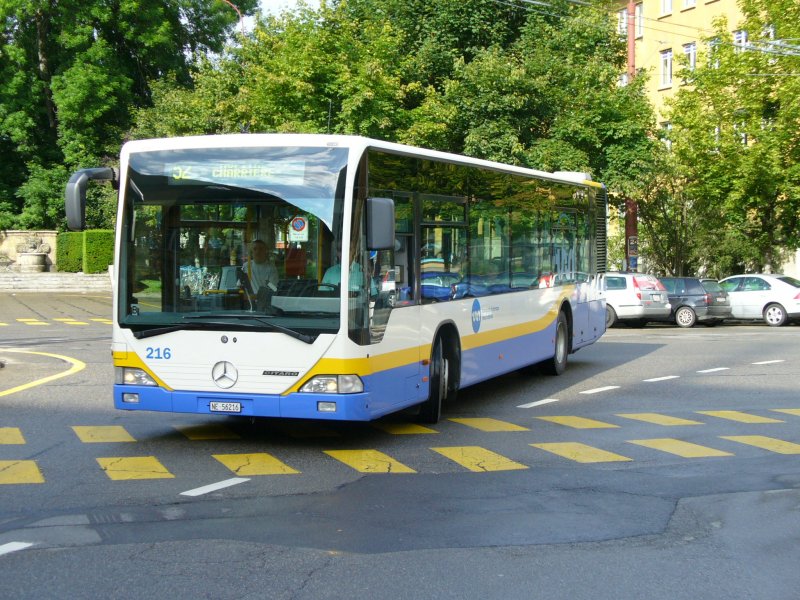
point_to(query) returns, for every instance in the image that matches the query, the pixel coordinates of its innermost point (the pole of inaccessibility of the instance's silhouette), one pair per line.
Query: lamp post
(238, 12)
(631, 208)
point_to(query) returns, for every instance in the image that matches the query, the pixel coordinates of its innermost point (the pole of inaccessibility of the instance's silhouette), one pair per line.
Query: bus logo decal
(476, 316)
(224, 374)
(282, 373)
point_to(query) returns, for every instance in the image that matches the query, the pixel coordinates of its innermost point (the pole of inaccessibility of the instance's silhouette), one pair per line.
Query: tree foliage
(70, 74)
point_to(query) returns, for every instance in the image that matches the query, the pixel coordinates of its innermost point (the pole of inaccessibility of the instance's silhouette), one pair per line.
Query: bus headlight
(131, 376)
(334, 384)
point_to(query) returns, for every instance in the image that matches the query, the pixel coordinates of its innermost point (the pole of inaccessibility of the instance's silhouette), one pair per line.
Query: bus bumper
(334, 407)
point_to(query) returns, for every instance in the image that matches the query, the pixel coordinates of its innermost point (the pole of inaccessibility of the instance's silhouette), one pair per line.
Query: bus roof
(356, 144)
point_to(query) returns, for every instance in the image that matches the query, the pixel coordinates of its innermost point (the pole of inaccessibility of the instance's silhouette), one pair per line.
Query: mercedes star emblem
(224, 374)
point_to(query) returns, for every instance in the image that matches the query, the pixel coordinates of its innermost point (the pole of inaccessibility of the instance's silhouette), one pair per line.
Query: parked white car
(635, 298)
(774, 298)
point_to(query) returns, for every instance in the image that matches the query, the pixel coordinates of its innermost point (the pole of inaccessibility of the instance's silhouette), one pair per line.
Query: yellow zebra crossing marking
(369, 461)
(738, 416)
(658, 419)
(489, 425)
(32, 322)
(581, 452)
(19, 471)
(579, 422)
(69, 321)
(104, 321)
(478, 459)
(11, 435)
(207, 432)
(255, 464)
(766, 443)
(680, 448)
(788, 411)
(404, 428)
(102, 434)
(121, 468)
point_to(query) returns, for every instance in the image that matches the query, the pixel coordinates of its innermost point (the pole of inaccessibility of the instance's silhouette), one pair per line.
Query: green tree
(735, 137)
(70, 73)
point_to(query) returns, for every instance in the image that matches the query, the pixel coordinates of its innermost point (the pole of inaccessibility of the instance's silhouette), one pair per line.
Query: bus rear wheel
(558, 364)
(430, 411)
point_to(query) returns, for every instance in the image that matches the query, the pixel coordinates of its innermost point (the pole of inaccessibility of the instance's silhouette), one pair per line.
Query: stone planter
(32, 262)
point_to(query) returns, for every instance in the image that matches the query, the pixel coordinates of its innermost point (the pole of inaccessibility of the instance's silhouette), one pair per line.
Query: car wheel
(685, 317)
(611, 317)
(775, 315)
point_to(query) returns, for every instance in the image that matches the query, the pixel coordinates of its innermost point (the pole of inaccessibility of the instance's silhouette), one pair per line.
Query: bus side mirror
(75, 193)
(380, 223)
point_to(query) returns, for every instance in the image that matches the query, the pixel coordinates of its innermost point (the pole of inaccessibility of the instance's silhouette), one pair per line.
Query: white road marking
(538, 403)
(714, 370)
(768, 362)
(665, 378)
(207, 489)
(14, 547)
(601, 389)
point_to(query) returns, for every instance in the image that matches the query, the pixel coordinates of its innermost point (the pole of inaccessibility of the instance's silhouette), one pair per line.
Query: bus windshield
(231, 238)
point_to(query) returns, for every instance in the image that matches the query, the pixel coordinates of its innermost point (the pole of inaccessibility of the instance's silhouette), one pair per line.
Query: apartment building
(664, 30)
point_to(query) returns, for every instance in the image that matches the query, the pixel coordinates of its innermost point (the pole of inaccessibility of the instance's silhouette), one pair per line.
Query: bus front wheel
(430, 411)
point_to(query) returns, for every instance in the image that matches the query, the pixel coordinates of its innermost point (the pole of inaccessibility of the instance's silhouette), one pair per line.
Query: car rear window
(712, 286)
(693, 286)
(648, 282)
(790, 280)
(615, 283)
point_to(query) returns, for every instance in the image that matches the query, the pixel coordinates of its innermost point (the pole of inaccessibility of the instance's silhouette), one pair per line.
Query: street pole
(631, 208)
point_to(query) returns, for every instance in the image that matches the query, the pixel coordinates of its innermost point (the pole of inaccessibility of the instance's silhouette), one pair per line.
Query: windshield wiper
(308, 339)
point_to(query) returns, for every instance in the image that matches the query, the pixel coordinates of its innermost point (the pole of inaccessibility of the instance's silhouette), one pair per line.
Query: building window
(666, 68)
(713, 54)
(638, 16)
(689, 3)
(666, 7)
(622, 21)
(740, 40)
(666, 132)
(690, 51)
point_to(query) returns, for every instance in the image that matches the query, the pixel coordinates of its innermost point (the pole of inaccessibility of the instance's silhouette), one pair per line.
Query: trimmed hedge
(89, 251)
(98, 250)
(69, 251)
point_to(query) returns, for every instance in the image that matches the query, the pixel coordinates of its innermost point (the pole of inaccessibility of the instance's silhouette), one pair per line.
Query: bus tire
(430, 411)
(558, 364)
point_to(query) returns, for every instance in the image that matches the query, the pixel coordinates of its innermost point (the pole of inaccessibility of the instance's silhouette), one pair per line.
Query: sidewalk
(11, 282)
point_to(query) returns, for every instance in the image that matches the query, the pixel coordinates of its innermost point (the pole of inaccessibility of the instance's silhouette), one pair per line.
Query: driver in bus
(260, 271)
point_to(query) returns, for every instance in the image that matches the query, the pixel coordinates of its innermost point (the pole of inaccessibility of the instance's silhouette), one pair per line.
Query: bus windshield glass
(231, 238)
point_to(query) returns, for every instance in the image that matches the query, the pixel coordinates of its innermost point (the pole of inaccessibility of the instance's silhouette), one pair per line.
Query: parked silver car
(773, 298)
(635, 298)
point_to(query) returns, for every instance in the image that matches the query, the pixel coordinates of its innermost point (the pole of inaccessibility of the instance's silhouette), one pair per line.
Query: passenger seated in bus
(259, 270)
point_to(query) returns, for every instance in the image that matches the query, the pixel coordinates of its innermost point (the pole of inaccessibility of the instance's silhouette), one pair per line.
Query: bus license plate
(234, 407)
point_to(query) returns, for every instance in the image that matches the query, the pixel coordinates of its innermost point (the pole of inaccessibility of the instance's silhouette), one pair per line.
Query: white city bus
(457, 270)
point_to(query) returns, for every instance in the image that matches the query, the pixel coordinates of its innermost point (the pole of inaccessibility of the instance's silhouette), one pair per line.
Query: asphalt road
(665, 463)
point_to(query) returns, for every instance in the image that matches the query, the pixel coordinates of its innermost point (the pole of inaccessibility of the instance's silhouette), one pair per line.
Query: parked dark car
(695, 300)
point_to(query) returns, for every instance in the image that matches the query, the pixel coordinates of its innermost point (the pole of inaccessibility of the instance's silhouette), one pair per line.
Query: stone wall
(10, 239)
